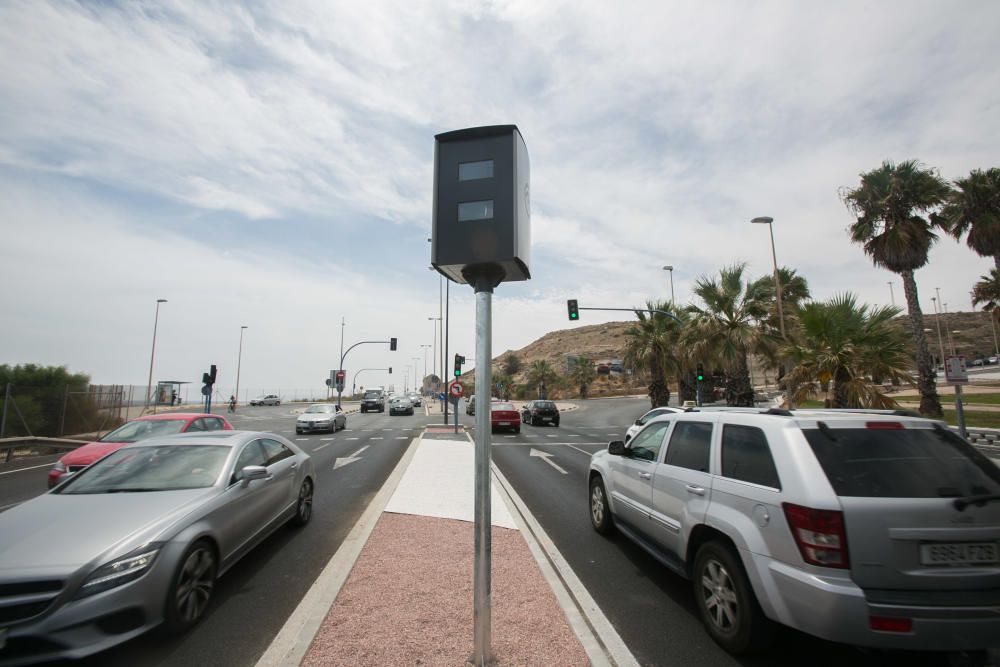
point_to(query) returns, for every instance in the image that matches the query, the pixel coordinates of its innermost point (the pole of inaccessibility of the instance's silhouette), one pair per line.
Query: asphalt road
(254, 599)
(651, 608)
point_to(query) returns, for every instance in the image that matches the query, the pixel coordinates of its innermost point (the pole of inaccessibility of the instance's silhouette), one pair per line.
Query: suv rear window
(901, 463)
(747, 457)
(373, 394)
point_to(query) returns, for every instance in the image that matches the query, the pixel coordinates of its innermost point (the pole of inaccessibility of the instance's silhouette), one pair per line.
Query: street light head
(244, 327)
(668, 268)
(762, 220)
(161, 301)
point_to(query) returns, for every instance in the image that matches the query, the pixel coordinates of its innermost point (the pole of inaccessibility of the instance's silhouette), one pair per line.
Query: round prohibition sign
(456, 389)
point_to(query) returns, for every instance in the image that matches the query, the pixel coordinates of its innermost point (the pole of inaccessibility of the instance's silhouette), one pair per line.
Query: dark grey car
(138, 539)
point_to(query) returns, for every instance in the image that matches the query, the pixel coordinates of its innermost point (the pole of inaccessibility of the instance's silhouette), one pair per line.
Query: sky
(270, 165)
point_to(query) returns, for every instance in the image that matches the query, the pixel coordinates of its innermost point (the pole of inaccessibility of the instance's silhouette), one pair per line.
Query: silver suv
(865, 528)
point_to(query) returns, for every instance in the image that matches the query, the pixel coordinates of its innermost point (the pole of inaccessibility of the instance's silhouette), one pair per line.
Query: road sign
(955, 371)
(456, 389)
(338, 379)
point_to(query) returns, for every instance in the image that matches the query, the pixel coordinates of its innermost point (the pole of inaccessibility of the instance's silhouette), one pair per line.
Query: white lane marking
(322, 446)
(573, 436)
(354, 438)
(547, 444)
(545, 456)
(401, 437)
(552, 436)
(332, 438)
(347, 460)
(378, 438)
(11, 472)
(301, 439)
(580, 450)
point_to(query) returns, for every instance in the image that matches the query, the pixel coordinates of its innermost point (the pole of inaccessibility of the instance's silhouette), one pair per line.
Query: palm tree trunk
(739, 393)
(839, 386)
(659, 391)
(930, 404)
(686, 390)
(996, 262)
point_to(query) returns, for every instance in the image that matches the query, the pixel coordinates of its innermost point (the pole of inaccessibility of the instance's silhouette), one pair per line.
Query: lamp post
(239, 363)
(416, 367)
(152, 354)
(426, 347)
(937, 320)
(765, 220)
(437, 322)
(670, 268)
(951, 342)
(892, 295)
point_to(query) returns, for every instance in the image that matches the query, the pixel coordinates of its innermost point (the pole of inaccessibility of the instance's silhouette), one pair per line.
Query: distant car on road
(540, 412)
(139, 539)
(993, 360)
(470, 405)
(415, 399)
(270, 399)
(373, 400)
(504, 415)
(321, 417)
(652, 414)
(140, 428)
(401, 405)
(977, 362)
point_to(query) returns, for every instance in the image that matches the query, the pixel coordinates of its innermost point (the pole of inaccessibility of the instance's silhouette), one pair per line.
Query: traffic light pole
(354, 382)
(482, 547)
(392, 344)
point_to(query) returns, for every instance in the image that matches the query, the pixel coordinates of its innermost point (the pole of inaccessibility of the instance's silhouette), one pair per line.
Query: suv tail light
(819, 535)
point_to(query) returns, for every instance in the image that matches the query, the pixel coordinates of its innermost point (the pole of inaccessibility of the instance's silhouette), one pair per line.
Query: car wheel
(304, 506)
(600, 513)
(517, 430)
(298, 432)
(725, 600)
(556, 424)
(191, 588)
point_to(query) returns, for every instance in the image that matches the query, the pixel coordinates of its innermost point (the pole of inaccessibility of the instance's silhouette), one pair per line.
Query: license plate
(959, 553)
(546, 419)
(504, 423)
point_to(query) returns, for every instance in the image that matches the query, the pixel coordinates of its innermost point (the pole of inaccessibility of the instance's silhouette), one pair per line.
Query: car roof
(224, 438)
(174, 415)
(807, 417)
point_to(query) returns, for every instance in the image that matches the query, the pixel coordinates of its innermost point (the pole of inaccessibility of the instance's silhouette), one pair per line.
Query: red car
(138, 429)
(503, 415)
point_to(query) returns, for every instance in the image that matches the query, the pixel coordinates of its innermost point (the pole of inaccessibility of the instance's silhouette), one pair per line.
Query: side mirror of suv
(616, 447)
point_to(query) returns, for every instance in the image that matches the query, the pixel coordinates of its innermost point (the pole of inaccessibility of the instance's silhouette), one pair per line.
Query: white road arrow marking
(545, 456)
(347, 460)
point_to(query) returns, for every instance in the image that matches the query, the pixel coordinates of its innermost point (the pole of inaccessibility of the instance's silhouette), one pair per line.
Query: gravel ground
(408, 601)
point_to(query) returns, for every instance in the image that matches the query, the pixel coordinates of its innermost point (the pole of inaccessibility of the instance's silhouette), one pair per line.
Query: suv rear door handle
(696, 490)
(645, 475)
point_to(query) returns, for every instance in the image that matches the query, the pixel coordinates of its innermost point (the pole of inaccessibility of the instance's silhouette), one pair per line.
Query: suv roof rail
(863, 411)
(732, 408)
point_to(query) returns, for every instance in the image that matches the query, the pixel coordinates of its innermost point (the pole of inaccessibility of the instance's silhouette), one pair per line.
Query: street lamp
(426, 347)
(937, 320)
(671, 270)
(765, 220)
(149, 386)
(436, 327)
(892, 295)
(415, 369)
(239, 362)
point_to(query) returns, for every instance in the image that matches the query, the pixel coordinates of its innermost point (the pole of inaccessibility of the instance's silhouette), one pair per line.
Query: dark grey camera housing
(482, 211)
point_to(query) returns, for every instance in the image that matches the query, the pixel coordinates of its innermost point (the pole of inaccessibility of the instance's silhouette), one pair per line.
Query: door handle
(294, 466)
(645, 475)
(696, 490)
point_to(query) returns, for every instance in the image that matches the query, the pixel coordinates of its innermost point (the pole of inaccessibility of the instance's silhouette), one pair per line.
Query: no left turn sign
(456, 389)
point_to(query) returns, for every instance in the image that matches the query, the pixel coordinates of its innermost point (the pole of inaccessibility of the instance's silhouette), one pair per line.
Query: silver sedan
(321, 417)
(138, 539)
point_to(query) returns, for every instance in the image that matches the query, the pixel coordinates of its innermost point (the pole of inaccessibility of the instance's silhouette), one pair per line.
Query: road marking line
(301, 439)
(44, 465)
(322, 446)
(378, 438)
(545, 456)
(354, 438)
(332, 438)
(573, 436)
(401, 437)
(580, 450)
(552, 436)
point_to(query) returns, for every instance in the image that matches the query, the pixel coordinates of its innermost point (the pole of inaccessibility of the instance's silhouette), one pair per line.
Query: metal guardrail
(9, 445)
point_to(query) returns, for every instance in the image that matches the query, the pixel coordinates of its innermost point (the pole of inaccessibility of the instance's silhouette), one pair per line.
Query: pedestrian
(232, 403)
(173, 397)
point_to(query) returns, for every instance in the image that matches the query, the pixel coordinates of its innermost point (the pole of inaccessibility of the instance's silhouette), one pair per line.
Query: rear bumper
(834, 608)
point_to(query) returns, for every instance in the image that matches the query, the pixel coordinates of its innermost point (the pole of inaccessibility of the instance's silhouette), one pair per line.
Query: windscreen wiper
(961, 503)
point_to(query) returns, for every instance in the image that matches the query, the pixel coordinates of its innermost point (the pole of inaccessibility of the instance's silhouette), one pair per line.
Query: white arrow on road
(547, 458)
(347, 460)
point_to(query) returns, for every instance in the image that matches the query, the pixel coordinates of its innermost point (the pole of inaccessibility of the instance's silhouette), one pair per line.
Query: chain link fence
(58, 411)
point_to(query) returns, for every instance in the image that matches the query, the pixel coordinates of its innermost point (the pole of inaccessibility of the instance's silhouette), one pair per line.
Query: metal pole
(777, 282)
(937, 320)
(892, 295)
(239, 362)
(947, 328)
(482, 622)
(993, 325)
(62, 417)
(3, 419)
(959, 412)
(149, 385)
(444, 354)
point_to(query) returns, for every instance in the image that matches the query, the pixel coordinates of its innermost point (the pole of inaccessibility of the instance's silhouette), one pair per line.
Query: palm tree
(794, 292)
(974, 207)
(541, 373)
(582, 373)
(845, 351)
(728, 327)
(894, 207)
(987, 292)
(654, 344)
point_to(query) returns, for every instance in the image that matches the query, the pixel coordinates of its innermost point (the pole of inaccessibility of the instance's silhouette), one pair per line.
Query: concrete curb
(290, 645)
(598, 637)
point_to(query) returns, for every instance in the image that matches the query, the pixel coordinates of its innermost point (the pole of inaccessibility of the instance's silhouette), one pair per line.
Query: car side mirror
(616, 447)
(339, 409)
(250, 473)
(638, 422)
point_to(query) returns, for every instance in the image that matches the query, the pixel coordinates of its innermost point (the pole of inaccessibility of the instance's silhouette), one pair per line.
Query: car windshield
(144, 428)
(901, 463)
(500, 407)
(142, 469)
(372, 394)
(320, 409)
(548, 405)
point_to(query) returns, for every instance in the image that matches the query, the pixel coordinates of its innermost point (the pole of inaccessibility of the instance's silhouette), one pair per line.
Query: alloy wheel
(195, 584)
(719, 597)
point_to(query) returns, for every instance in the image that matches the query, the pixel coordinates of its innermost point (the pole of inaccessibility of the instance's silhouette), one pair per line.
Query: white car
(643, 420)
(415, 399)
(270, 399)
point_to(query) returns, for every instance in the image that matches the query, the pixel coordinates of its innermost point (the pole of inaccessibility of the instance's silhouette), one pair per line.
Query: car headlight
(119, 571)
(59, 466)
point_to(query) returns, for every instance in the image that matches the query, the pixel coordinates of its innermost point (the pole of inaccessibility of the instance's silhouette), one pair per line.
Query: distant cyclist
(232, 404)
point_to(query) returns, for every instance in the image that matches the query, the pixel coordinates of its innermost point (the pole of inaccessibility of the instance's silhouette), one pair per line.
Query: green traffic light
(458, 372)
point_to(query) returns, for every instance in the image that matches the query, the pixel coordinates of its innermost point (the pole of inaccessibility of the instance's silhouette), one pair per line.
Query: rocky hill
(972, 336)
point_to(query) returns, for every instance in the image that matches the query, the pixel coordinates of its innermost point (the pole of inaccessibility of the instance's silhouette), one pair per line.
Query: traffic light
(700, 373)
(392, 344)
(574, 310)
(212, 375)
(390, 370)
(459, 360)
(328, 383)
